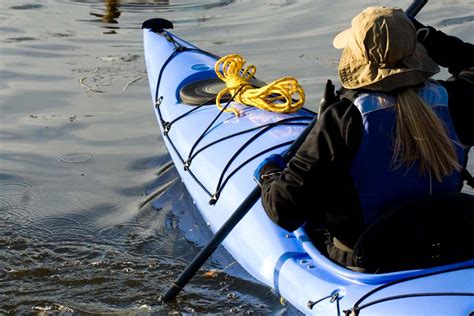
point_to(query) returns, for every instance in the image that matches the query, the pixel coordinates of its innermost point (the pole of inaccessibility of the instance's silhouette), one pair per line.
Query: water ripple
(20, 39)
(64, 202)
(457, 20)
(31, 6)
(156, 5)
(147, 162)
(18, 213)
(14, 188)
(4, 204)
(76, 158)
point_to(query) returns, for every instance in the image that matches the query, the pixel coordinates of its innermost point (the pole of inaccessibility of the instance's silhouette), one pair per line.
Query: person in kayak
(391, 135)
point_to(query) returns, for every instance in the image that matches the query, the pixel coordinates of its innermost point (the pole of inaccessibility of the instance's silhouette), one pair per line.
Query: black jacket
(317, 185)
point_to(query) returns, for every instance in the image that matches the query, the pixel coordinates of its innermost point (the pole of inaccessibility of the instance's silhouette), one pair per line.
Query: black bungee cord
(166, 125)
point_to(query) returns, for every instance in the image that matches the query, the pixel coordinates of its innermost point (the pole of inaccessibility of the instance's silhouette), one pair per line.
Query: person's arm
(314, 175)
(447, 51)
(461, 106)
(458, 56)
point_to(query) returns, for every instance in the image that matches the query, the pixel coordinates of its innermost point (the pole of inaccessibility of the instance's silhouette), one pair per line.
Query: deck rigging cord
(166, 125)
(275, 97)
(223, 181)
(357, 307)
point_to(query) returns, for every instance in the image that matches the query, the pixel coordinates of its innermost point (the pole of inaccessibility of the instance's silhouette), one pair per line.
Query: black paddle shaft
(415, 7)
(246, 205)
(225, 229)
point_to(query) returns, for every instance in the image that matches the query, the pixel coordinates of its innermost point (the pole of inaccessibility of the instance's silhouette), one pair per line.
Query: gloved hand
(274, 162)
(422, 30)
(329, 96)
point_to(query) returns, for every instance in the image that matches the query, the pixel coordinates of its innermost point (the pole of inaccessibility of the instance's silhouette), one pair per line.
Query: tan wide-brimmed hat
(381, 52)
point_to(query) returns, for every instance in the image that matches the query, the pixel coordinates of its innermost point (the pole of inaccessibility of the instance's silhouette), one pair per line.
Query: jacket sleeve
(315, 173)
(458, 56)
(461, 106)
(448, 51)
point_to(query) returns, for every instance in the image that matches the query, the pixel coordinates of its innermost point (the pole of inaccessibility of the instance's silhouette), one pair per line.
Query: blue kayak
(216, 152)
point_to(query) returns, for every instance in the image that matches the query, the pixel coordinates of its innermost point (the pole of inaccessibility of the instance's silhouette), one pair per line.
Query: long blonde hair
(421, 137)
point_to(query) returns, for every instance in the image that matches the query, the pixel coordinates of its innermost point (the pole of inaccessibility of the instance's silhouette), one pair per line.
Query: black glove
(274, 162)
(329, 96)
(422, 31)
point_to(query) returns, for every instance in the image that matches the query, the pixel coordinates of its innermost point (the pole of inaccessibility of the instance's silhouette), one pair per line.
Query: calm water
(94, 217)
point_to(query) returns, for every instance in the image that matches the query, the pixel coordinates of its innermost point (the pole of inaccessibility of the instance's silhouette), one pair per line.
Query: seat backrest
(419, 234)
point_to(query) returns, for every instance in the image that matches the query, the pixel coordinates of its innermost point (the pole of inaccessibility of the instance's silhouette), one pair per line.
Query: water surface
(94, 217)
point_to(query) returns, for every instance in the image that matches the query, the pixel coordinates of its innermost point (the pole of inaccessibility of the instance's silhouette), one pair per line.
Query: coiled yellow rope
(276, 96)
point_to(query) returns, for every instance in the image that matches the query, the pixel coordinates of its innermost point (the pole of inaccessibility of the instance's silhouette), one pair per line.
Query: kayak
(216, 152)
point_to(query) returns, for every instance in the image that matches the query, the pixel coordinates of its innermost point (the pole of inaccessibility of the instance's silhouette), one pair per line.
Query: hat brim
(341, 39)
(357, 74)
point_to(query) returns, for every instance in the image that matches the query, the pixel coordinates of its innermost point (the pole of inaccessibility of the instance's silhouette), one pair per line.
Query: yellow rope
(276, 96)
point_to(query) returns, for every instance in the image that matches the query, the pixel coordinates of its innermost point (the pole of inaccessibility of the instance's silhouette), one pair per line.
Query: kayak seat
(204, 92)
(419, 234)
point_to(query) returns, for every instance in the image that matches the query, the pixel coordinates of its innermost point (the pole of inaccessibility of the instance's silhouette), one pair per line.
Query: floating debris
(211, 274)
(131, 82)
(88, 88)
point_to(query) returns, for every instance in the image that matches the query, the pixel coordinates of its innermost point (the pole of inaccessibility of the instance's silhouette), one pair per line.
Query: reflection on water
(111, 12)
(112, 9)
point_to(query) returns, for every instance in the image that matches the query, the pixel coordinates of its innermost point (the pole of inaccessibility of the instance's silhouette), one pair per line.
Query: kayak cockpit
(415, 238)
